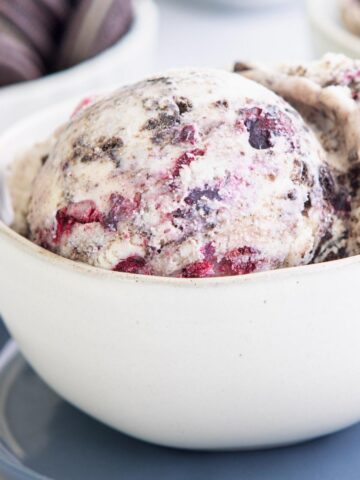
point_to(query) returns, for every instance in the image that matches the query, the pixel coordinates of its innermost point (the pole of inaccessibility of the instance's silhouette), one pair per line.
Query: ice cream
(19, 183)
(194, 173)
(327, 95)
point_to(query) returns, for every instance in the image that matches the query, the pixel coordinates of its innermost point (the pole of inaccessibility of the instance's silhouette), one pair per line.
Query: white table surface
(195, 33)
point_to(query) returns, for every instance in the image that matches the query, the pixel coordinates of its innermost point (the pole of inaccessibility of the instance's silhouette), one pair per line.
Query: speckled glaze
(258, 360)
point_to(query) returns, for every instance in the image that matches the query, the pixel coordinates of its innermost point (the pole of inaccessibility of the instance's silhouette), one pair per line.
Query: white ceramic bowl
(259, 360)
(328, 31)
(127, 60)
(247, 3)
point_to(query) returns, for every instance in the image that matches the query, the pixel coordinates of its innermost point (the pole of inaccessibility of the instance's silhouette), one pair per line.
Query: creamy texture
(327, 94)
(194, 173)
(22, 174)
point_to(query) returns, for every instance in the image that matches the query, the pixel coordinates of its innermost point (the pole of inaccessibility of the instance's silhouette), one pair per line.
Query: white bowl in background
(258, 360)
(129, 59)
(247, 3)
(327, 30)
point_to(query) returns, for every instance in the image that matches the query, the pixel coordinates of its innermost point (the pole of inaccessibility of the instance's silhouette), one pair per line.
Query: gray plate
(43, 437)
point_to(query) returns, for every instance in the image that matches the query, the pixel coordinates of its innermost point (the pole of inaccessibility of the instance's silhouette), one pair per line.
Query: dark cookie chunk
(184, 104)
(222, 104)
(339, 198)
(111, 143)
(307, 206)
(301, 175)
(162, 79)
(241, 67)
(354, 178)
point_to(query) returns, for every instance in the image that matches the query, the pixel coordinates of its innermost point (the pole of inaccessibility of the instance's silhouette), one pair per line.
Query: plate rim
(9, 465)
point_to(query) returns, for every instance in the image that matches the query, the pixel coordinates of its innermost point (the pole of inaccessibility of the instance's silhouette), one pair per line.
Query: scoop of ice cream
(327, 95)
(194, 173)
(18, 179)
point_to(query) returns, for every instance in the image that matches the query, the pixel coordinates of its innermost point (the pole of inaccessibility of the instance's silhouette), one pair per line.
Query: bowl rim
(323, 21)
(144, 17)
(40, 254)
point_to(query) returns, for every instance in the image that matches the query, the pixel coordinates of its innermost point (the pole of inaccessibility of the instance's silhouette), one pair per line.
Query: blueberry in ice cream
(194, 173)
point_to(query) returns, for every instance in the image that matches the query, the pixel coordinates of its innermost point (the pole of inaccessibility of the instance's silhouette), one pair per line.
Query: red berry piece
(83, 212)
(64, 224)
(137, 200)
(79, 212)
(120, 208)
(351, 76)
(198, 269)
(133, 264)
(185, 159)
(187, 134)
(239, 261)
(85, 102)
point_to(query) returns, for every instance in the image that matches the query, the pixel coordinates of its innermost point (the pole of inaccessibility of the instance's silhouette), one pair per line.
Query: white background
(196, 33)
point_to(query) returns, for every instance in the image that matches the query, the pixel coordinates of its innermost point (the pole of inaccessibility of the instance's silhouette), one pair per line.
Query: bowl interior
(22, 136)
